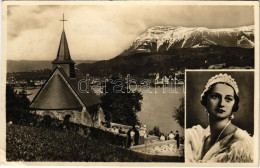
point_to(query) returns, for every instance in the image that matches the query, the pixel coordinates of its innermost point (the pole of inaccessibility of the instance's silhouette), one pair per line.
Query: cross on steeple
(63, 58)
(63, 21)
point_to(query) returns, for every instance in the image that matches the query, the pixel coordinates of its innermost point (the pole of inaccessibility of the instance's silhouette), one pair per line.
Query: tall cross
(63, 20)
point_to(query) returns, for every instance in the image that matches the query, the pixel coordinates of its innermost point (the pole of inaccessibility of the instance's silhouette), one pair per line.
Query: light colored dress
(142, 133)
(171, 136)
(236, 147)
(132, 134)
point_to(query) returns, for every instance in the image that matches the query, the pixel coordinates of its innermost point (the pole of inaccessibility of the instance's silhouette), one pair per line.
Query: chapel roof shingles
(58, 93)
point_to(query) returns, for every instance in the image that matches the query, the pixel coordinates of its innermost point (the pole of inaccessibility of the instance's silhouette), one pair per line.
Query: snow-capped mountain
(167, 38)
(165, 49)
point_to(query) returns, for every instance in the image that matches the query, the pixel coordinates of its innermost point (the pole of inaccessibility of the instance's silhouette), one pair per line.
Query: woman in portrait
(221, 141)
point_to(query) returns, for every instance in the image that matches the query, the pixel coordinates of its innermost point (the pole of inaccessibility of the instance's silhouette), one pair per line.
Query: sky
(101, 32)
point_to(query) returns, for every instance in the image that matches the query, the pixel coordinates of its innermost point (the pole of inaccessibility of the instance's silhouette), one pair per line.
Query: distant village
(23, 79)
(37, 78)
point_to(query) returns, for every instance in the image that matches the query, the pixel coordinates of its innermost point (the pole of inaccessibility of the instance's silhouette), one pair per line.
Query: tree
(155, 131)
(120, 104)
(178, 113)
(17, 104)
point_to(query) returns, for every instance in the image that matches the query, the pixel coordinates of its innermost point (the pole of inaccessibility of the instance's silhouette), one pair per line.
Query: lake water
(157, 108)
(31, 92)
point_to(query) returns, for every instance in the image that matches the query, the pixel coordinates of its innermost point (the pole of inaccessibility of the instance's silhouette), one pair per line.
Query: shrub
(33, 120)
(155, 131)
(17, 105)
(108, 137)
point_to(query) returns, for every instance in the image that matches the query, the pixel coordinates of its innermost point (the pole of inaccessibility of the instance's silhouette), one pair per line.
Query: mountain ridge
(167, 38)
(163, 48)
(168, 49)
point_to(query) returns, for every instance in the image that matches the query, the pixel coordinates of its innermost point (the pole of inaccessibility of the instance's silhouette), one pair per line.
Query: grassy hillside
(39, 144)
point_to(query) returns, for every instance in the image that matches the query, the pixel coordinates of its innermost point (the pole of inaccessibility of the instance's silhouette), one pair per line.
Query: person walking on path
(136, 130)
(177, 138)
(170, 136)
(130, 137)
(142, 134)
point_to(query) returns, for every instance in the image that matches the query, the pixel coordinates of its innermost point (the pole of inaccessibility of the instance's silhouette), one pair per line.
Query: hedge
(38, 121)
(39, 144)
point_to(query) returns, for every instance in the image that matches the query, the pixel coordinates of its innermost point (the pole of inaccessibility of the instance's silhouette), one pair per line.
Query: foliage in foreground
(39, 144)
(17, 105)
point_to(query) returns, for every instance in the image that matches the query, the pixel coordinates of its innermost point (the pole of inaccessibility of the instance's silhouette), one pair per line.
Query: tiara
(221, 78)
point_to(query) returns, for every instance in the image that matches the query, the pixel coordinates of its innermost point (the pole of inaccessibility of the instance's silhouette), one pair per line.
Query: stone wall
(79, 117)
(75, 116)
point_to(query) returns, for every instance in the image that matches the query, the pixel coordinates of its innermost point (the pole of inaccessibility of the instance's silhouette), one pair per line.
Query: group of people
(116, 130)
(113, 129)
(172, 136)
(136, 135)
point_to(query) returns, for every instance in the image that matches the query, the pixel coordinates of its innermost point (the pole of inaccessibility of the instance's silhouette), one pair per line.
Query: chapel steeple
(63, 58)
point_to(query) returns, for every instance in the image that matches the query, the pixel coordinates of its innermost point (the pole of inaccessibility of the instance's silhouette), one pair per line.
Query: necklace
(222, 131)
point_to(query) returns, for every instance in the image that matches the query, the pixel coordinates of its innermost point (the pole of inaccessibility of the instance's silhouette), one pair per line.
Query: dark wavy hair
(204, 97)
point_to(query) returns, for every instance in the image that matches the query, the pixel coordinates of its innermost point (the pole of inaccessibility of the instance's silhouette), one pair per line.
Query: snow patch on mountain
(186, 37)
(245, 42)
